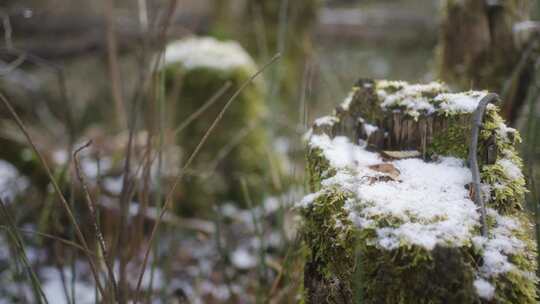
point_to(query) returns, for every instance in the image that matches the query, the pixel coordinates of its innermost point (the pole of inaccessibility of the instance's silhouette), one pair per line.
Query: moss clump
(331, 238)
(317, 167)
(452, 140)
(237, 147)
(415, 275)
(508, 191)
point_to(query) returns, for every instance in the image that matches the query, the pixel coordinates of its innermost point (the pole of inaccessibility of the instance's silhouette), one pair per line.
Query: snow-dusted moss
(195, 69)
(406, 230)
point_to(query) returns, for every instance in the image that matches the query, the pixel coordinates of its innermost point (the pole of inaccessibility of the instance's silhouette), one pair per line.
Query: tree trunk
(478, 49)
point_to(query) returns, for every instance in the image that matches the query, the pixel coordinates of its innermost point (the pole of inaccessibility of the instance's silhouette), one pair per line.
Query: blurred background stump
(239, 148)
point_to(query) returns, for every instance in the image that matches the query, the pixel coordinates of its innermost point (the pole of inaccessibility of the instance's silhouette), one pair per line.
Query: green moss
(317, 167)
(414, 275)
(364, 102)
(508, 193)
(453, 140)
(188, 90)
(331, 238)
(519, 286)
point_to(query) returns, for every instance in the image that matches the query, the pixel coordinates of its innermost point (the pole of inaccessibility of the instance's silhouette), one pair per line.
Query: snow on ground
(54, 289)
(11, 181)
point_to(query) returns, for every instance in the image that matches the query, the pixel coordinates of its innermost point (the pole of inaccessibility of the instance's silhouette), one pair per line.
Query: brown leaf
(387, 169)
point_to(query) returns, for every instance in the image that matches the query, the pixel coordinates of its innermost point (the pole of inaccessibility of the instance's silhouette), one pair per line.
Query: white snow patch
(484, 289)
(60, 157)
(242, 259)
(326, 120)
(499, 246)
(503, 130)
(369, 129)
(412, 97)
(11, 181)
(113, 184)
(426, 98)
(207, 52)
(511, 170)
(307, 200)
(526, 25)
(466, 102)
(342, 153)
(54, 290)
(347, 102)
(429, 199)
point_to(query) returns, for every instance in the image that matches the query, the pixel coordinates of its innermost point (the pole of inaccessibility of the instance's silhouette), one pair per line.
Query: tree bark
(478, 49)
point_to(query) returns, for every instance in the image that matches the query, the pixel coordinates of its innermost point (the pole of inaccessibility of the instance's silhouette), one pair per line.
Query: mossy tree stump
(195, 70)
(391, 217)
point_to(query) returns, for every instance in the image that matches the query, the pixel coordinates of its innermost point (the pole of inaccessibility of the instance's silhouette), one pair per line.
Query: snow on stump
(196, 68)
(391, 217)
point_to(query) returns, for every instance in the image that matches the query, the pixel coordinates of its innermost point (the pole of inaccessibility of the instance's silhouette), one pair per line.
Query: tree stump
(195, 70)
(391, 217)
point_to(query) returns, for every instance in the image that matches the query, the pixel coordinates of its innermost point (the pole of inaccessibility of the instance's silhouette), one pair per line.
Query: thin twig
(178, 178)
(181, 127)
(228, 148)
(52, 237)
(13, 65)
(92, 208)
(478, 116)
(57, 189)
(126, 186)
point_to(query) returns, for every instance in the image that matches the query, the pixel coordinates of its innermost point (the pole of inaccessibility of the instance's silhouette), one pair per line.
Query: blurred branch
(114, 68)
(76, 33)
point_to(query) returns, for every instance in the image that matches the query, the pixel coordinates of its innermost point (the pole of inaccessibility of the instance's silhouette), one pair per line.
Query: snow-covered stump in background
(391, 217)
(195, 70)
